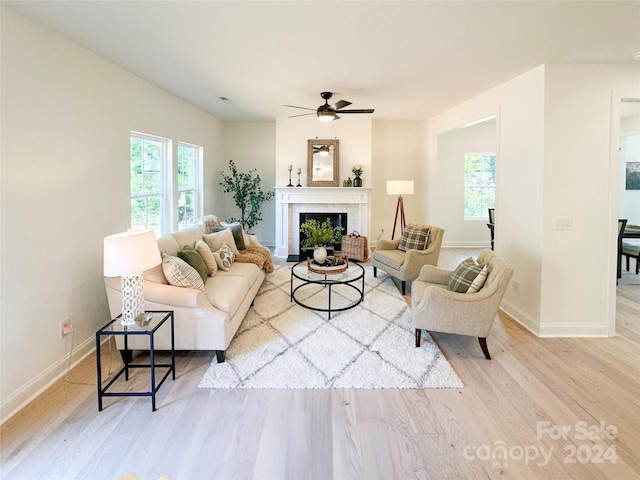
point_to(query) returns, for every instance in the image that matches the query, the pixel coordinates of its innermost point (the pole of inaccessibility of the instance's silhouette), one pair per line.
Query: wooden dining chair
(622, 223)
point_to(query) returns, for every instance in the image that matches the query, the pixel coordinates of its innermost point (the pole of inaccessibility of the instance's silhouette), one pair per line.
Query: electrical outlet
(65, 328)
(564, 223)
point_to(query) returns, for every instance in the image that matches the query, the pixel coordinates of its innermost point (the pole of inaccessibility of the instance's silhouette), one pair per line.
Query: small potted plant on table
(319, 236)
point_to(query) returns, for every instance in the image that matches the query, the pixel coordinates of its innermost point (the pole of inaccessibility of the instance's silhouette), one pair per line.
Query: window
(479, 184)
(148, 166)
(188, 169)
(165, 194)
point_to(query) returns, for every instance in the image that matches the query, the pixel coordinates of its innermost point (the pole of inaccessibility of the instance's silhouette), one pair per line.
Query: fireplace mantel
(292, 200)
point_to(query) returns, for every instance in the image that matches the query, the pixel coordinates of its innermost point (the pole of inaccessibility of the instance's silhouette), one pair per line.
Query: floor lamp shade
(128, 255)
(399, 188)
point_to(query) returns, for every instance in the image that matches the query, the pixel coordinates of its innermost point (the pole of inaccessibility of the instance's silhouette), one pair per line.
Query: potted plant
(319, 236)
(247, 195)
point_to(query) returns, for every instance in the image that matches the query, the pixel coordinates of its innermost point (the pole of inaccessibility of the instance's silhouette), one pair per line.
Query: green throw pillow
(192, 257)
(464, 275)
(238, 237)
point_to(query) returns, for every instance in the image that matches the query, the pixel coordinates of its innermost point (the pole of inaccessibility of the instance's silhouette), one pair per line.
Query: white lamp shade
(130, 252)
(399, 187)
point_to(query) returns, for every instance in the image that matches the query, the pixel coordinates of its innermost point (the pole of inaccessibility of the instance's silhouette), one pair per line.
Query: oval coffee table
(351, 278)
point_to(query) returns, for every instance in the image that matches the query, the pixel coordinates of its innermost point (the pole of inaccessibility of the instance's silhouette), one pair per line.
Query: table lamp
(399, 187)
(127, 255)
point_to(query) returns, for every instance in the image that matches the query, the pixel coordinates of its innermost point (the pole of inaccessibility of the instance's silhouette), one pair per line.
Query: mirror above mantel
(322, 163)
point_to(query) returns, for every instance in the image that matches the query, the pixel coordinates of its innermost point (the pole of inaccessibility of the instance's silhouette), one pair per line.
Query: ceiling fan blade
(302, 115)
(295, 106)
(341, 104)
(364, 110)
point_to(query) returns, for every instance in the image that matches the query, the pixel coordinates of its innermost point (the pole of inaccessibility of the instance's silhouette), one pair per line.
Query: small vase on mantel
(357, 182)
(320, 255)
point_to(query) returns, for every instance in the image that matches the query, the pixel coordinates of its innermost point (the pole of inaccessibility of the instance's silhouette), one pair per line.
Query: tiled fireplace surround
(291, 201)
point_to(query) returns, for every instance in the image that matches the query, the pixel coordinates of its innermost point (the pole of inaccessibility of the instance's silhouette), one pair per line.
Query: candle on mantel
(299, 170)
(290, 167)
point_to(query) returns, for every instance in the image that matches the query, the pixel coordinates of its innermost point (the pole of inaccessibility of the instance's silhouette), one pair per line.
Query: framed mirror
(322, 163)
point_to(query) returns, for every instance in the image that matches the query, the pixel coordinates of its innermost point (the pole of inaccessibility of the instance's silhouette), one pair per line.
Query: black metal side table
(114, 327)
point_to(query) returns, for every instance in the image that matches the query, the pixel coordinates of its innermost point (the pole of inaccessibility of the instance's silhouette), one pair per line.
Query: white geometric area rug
(283, 345)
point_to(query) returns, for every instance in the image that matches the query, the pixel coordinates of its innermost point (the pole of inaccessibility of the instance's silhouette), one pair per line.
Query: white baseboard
(521, 317)
(554, 330)
(19, 399)
(473, 245)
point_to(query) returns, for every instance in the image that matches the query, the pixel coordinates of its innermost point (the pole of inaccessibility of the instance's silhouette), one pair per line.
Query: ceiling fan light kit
(328, 113)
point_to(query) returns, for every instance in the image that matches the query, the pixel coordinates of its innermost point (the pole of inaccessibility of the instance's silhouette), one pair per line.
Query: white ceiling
(408, 60)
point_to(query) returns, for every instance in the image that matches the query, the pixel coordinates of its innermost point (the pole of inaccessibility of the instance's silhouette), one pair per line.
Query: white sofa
(203, 320)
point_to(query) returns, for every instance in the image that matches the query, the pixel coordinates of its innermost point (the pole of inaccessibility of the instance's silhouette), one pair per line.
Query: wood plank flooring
(505, 423)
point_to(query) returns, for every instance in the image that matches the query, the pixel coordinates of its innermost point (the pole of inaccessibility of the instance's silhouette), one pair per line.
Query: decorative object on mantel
(290, 168)
(247, 195)
(322, 163)
(399, 187)
(319, 235)
(280, 344)
(299, 172)
(357, 172)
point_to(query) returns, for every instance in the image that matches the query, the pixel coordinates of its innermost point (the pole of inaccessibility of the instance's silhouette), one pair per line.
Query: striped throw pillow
(180, 274)
(414, 238)
(464, 275)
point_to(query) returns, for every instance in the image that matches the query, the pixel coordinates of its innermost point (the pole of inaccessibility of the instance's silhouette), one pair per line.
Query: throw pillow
(190, 255)
(478, 283)
(207, 255)
(224, 257)
(217, 239)
(180, 273)
(210, 222)
(236, 230)
(414, 238)
(463, 276)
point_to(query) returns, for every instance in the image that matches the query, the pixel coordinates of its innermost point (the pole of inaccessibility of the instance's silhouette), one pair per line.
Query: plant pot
(320, 255)
(357, 182)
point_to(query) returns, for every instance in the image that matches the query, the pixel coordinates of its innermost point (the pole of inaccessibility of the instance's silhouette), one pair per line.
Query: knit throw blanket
(257, 254)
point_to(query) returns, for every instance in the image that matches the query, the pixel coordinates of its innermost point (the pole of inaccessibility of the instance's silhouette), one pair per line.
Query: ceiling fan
(328, 112)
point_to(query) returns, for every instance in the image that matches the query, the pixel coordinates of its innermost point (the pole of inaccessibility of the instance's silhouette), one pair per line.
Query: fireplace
(336, 219)
(290, 202)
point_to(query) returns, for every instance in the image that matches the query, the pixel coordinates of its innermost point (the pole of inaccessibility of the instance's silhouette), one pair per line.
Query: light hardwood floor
(518, 403)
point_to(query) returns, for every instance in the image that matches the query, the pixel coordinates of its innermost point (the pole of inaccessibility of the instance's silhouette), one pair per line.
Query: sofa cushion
(391, 258)
(179, 273)
(238, 234)
(207, 255)
(464, 275)
(224, 257)
(414, 238)
(250, 271)
(226, 293)
(190, 255)
(217, 239)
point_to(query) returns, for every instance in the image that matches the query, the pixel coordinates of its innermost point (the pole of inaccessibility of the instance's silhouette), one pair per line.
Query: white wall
(66, 117)
(352, 131)
(452, 147)
(249, 145)
(519, 107)
(398, 154)
(554, 150)
(576, 293)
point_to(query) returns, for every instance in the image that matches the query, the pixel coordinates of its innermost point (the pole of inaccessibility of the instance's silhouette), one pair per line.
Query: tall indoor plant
(247, 194)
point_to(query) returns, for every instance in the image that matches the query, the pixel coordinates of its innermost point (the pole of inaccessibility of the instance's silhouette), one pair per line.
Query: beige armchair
(406, 265)
(435, 308)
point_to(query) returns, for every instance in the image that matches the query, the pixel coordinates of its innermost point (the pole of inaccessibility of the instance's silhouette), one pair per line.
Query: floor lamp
(399, 188)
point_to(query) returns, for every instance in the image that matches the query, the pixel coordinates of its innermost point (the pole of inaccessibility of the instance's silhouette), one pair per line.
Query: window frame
(484, 213)
(198, 184)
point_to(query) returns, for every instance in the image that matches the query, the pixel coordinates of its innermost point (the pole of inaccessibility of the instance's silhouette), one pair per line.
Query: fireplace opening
(336, 219)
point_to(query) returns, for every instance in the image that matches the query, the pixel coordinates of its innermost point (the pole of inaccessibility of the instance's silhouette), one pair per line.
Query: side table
(114, 327)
